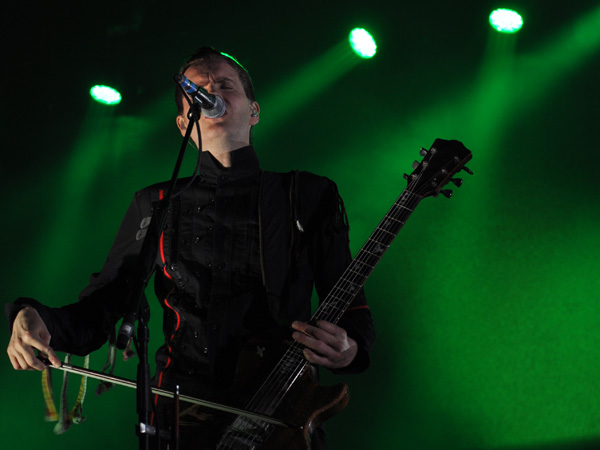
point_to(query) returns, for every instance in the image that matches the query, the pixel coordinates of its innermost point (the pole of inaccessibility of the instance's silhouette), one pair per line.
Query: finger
(49, 352)
(340, 341)
(55, 360)
(303, 326)
(300, 326)
(21, 364)
(315, 358)
(317, 345)
(25, 349)
(14, 361)
(339, 334)
(27, 358)
(32, 360)
(41, 344)
(330, 328)
(312, 330)
(13, 355)
(333, 336)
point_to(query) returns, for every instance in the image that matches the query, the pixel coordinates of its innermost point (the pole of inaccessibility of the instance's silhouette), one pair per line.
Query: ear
(254, 113)
(181, 124)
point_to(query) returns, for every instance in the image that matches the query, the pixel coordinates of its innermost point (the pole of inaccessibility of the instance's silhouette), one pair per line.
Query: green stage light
(105, 95)
(506, 20)
(362, 43)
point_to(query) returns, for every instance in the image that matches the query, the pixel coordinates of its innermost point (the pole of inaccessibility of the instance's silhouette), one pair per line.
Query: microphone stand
(138, 305)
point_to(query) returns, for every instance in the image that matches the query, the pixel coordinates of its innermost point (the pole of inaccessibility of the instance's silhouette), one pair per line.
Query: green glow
(506, 20)
(105, 95)
(362, 43)
(234, 60)
(286, 99)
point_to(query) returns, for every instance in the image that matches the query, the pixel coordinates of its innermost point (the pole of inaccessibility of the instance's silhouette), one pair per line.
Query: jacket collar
(244, 163)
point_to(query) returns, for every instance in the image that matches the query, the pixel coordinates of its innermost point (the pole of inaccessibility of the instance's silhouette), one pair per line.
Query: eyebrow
(218, 79)
(221, 79)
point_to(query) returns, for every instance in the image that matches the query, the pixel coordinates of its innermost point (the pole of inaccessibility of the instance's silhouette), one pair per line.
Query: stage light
(105, 95)
(506, 20)
(362, 43)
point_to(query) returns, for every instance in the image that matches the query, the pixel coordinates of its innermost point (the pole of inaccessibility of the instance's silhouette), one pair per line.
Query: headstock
(439, 164)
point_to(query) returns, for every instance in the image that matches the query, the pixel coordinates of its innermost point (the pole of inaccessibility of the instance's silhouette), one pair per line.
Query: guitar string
(380, 237)
(270, 394)
(399, 214)
(356, 277)
(379, 233)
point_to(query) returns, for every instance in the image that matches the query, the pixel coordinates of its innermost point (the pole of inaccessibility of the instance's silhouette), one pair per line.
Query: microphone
(212, 105)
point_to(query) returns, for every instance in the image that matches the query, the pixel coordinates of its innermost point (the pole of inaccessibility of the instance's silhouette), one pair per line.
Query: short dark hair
(208, 54)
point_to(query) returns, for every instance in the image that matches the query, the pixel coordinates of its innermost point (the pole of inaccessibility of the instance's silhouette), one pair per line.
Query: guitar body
(305, 405)
(308, 405)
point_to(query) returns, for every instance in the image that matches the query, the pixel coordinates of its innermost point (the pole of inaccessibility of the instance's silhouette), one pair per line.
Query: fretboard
(341, 295)
(440, 163)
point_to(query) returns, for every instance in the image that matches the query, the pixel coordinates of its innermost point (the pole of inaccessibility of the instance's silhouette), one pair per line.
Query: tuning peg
(466, 169)
(406, 176)
(423, 151)
(415, 165)
(446, 193)
(457, 181)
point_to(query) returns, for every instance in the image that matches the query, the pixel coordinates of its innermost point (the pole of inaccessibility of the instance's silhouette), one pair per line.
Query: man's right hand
(29, 333)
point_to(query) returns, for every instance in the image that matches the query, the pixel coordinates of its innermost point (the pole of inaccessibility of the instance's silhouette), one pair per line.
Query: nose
(212, 88)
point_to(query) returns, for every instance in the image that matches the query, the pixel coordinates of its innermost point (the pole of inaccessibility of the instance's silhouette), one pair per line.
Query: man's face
(219, 78)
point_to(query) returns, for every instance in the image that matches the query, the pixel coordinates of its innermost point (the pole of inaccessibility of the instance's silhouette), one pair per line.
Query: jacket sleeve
(332, 257)
(86, 325)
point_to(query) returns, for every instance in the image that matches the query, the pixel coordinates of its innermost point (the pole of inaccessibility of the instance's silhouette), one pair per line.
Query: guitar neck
(440, 163)
(291, 365)
(348, 286)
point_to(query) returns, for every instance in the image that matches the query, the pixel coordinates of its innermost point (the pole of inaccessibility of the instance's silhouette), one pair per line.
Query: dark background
(487, 304)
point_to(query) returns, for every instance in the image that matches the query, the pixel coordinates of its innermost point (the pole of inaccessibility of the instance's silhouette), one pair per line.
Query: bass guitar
(290, 391)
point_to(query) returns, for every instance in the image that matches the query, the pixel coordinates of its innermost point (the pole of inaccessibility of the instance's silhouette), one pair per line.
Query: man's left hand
(326, 344)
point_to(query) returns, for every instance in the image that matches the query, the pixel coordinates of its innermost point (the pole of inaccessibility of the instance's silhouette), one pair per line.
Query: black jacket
(303, 236)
